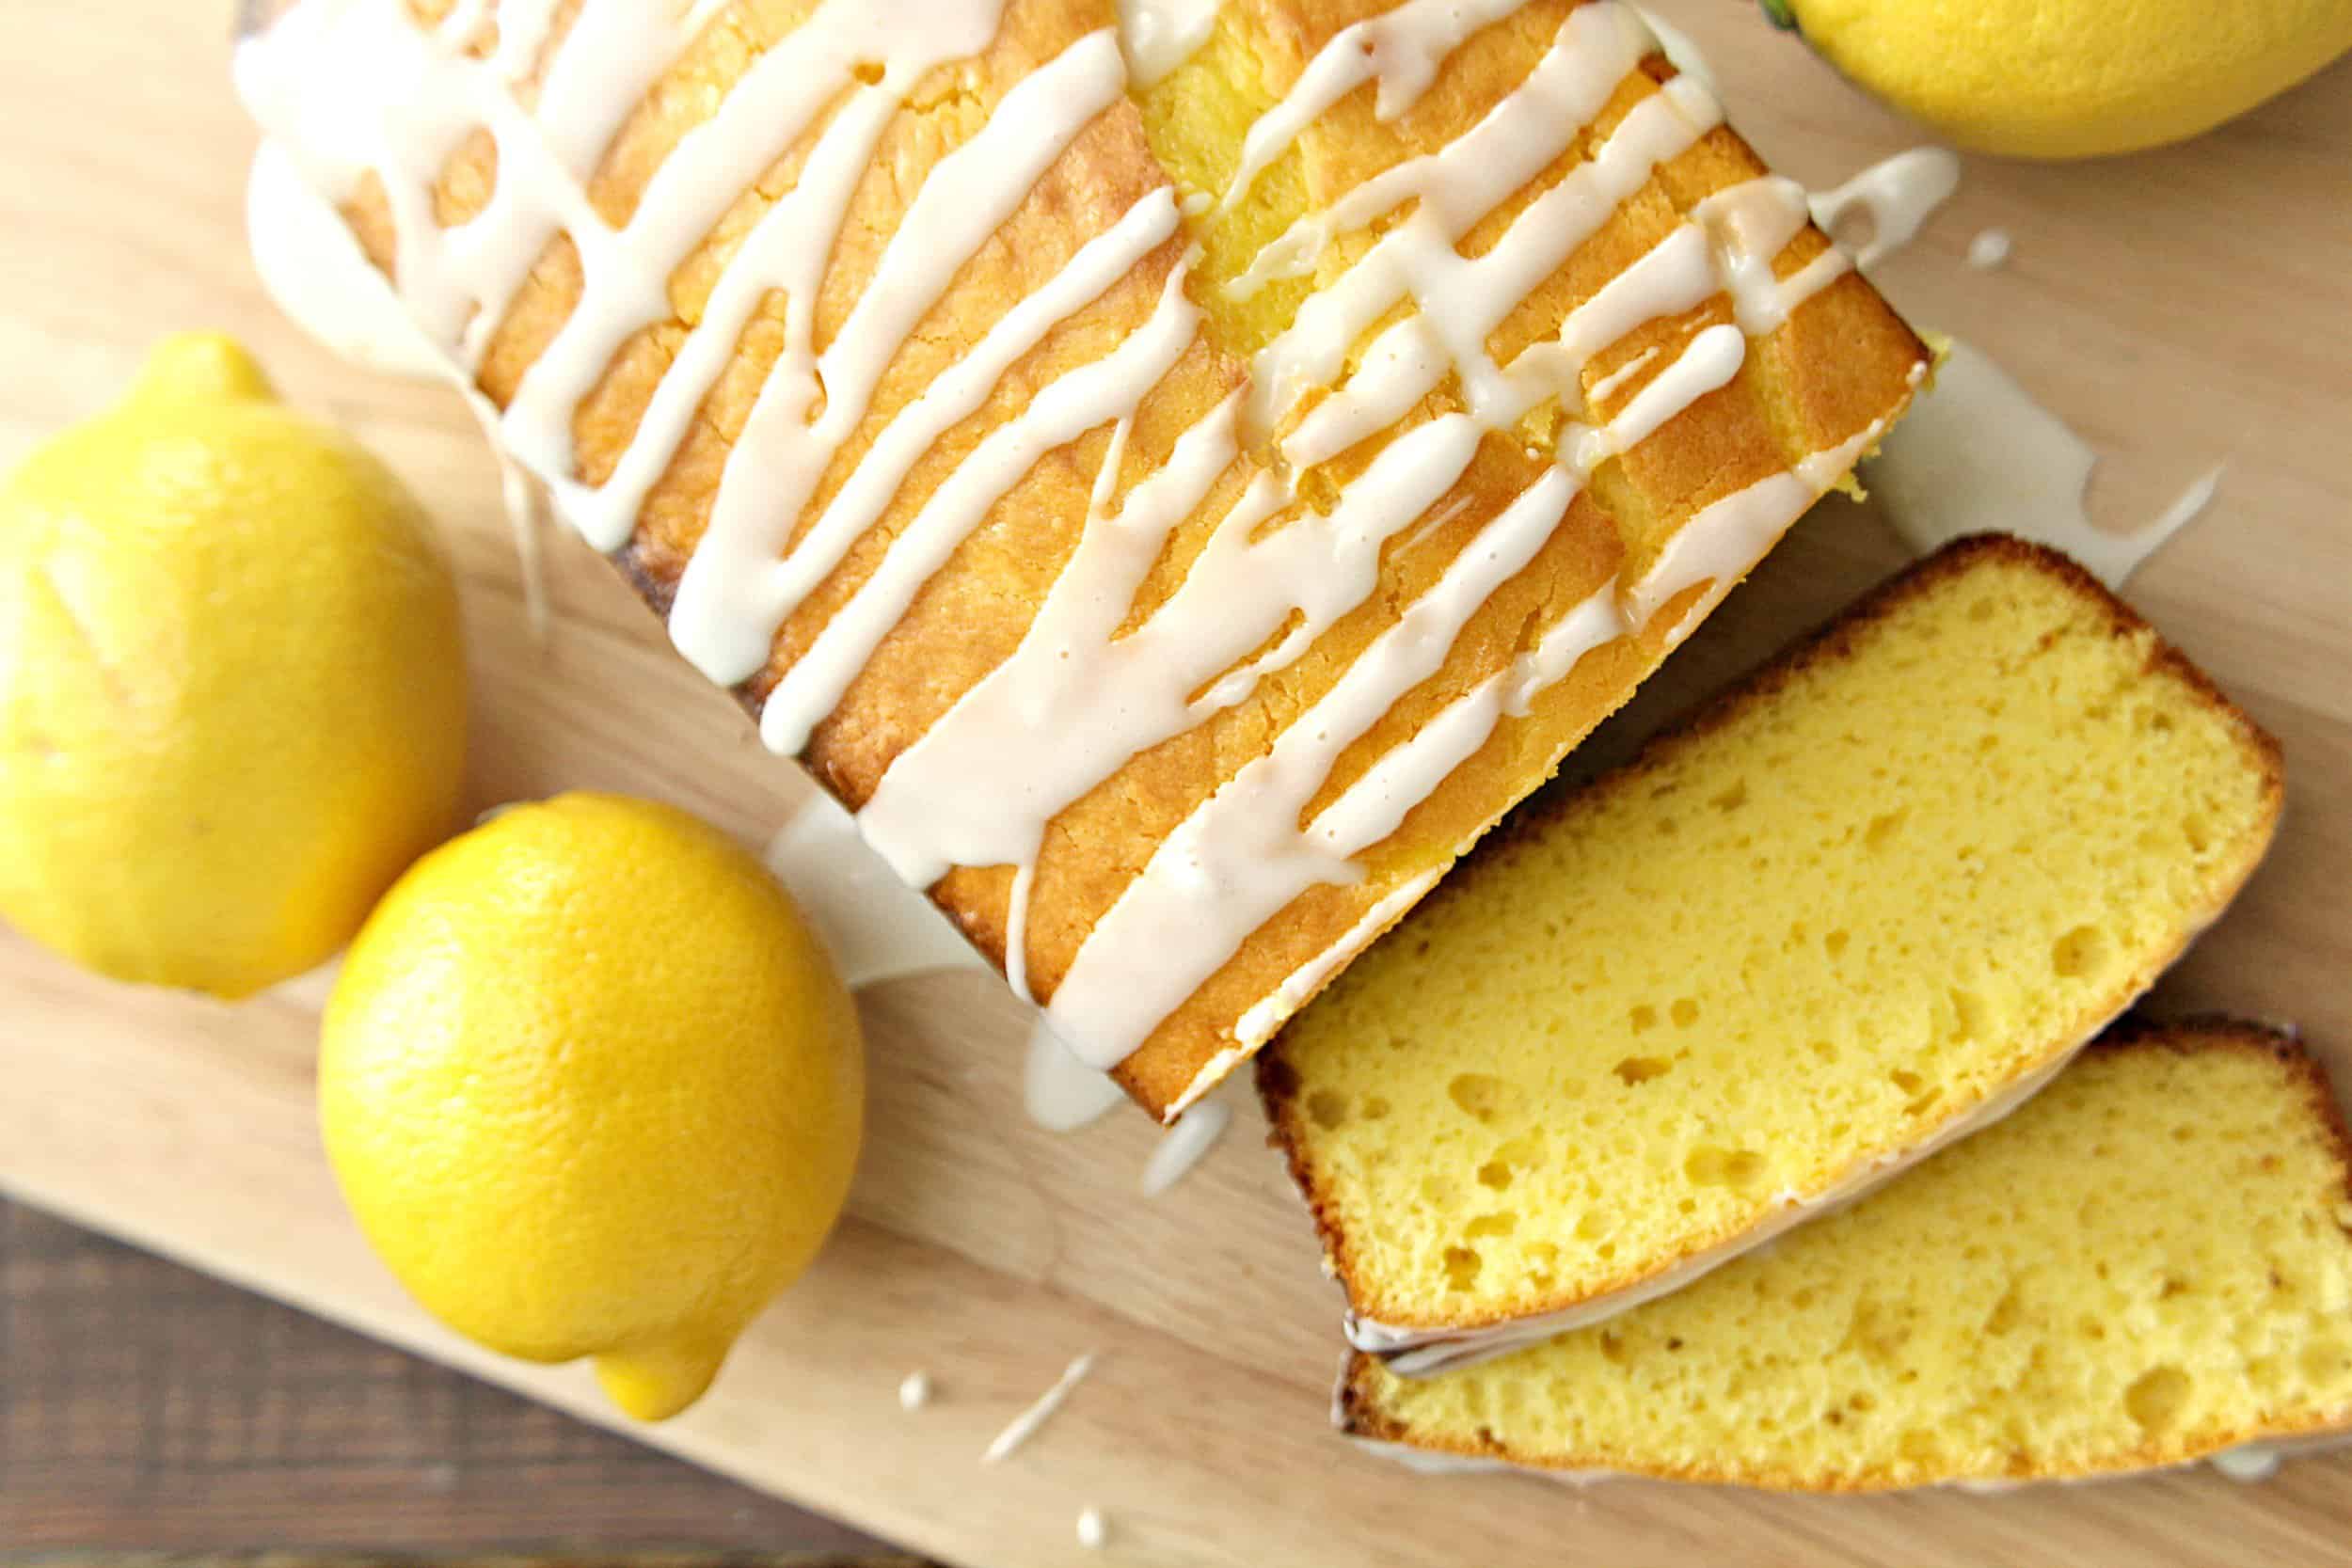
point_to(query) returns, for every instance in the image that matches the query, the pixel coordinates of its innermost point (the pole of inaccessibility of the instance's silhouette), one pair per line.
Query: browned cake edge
(1277, 1083)
(1356, 1413)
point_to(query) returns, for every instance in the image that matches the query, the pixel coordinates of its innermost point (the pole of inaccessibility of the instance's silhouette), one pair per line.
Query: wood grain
(145, 1406)
(2180, 308)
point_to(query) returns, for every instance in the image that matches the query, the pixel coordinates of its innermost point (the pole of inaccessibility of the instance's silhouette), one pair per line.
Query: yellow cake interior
(2151, 1262)
(1897, 876)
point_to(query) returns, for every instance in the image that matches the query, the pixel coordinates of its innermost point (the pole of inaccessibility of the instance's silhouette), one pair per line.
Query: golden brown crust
(1841, 363)
(1358, 1414)
(1277, 1083)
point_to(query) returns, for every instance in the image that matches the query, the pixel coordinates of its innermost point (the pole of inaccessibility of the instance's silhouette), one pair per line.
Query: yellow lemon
(2073, 78)
(592, 1087)
(232, 690)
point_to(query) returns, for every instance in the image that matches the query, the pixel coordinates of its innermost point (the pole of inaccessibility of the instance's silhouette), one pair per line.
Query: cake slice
(1867, 901)
(2149, 1264)
(1177, 485)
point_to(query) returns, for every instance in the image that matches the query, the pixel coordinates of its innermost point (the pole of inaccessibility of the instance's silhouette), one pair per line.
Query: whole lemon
(232, 689)
(592, 1087)
(2073, 78)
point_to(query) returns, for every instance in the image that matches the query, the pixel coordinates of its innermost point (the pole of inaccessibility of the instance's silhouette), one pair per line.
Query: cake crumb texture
(1904, 869)
(2150, 1263)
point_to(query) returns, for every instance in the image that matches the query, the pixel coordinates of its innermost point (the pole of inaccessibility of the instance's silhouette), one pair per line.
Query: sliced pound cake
(2148, 1264)
(1873, 899)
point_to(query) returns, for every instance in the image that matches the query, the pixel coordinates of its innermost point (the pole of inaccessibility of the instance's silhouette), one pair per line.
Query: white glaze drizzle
(735, 590)
(1110, 387)
(524, 27)
(1242, 853)
(1101, 701)
(396, 101)
(1979, 455)
(1460, 303)
(1882, 209)
(525, 503)
(1750, 224)
(315, 273)
(348, 85)
(1724, 540)
(876, 926)
(1462, 300)
(1159, 35)
(1513, 141)
(1059, 1092)
(1026, 1425)
(914, 1392)
(1014, 711)
(1184, 1145)
(879, 928)
(313, 270)
(625, 273)
(1615, 382)
(459, 26)
(1401, 50)
(1093, 1529)
(725, 650)
(2187, 508)
(1682, 50)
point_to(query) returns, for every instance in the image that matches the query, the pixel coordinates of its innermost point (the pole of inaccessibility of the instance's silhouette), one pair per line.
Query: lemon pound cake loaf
(1867, 901)
(1178, 471)
(2149, 1264)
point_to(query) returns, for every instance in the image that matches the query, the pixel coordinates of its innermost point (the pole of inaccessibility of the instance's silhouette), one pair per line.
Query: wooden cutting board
(2180, 308)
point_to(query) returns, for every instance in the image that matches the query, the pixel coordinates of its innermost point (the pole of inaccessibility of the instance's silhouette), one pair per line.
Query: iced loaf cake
(2149, 1264)
(1179, 472)
(1866, 902)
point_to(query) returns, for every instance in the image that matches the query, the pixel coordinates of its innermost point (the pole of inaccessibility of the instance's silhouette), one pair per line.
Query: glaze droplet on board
(1026, 1425)
(1977, 454)
(2252, 1462)
(1882, 208)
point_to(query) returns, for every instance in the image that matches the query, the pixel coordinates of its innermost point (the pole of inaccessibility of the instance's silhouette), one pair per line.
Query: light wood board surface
(2180, 308)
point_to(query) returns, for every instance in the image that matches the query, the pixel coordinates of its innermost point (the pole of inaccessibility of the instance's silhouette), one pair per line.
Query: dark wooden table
(144, 1407)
